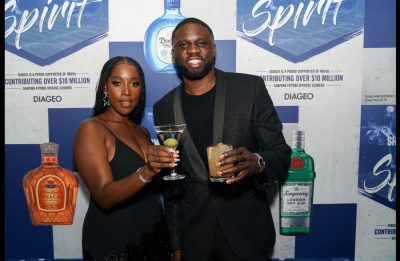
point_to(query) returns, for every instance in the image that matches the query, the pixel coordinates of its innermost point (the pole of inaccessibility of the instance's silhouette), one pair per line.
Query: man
(229, 221)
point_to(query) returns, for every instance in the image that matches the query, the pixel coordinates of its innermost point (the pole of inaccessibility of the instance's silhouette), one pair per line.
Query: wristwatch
(261, 162)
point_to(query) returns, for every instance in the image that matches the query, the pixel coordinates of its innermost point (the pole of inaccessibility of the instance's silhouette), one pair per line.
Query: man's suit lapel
(198, 166)
(219, 107)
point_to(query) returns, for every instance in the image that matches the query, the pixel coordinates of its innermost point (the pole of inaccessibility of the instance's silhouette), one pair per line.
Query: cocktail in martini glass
(170, 134)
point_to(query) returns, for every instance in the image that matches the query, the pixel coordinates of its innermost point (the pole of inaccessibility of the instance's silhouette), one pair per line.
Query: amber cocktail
(213, 154)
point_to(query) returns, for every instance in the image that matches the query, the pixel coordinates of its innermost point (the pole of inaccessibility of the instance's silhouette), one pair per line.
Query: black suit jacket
(244, 116)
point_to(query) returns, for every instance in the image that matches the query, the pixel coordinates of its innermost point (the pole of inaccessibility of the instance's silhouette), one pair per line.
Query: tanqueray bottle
(296, 190)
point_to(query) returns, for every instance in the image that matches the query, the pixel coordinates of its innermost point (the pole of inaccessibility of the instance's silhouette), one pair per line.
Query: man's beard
(197, 74)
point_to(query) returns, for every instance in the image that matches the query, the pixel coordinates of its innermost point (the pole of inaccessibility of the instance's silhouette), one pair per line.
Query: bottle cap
(49, 148)
(298, 139)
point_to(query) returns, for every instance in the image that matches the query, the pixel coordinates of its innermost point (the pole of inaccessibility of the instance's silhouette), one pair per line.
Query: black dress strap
(105, 125)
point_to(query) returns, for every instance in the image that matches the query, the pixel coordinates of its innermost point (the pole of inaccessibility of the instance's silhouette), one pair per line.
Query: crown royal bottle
(296, 190)
(50, 190)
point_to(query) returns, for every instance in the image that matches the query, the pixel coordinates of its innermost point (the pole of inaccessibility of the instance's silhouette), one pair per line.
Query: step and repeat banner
(329, 67)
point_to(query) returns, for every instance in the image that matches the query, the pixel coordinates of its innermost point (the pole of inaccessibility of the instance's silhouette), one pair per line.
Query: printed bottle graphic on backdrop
(157, 40)
(50, 190)
(296, 190)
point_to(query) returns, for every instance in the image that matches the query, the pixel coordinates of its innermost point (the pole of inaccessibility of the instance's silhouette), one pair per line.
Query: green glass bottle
(296, 190)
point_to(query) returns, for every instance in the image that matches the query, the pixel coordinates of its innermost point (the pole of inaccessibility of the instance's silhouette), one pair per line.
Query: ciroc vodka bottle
(50, 190)
(157, 40)
(296, 190)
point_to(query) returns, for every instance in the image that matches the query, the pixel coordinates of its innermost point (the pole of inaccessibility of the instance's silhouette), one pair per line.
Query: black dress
(107, 233)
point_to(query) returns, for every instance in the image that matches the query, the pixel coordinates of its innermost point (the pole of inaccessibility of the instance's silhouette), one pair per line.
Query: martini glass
(170, 135)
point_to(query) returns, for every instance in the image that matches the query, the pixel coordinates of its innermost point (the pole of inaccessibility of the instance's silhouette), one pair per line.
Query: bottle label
(51, 193)
(296, 163)
(164, 46)
(288, 222)
(296, 198)
(50, 159)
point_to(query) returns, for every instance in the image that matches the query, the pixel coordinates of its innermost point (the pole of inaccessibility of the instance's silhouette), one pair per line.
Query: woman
(117, 162)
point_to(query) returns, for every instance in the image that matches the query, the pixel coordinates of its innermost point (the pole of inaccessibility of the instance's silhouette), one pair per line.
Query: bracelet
(141, 177)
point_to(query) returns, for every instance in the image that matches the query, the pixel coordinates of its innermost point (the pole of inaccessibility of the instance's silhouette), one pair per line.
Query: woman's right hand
(159, 157)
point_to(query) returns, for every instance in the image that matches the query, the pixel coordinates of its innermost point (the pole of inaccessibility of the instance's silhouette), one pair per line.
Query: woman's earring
(106, 102)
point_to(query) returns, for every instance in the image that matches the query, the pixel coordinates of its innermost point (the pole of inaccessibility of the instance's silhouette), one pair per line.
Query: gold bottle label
(51, 193)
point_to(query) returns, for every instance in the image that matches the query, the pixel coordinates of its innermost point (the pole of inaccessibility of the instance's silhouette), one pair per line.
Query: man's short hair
(191, 20)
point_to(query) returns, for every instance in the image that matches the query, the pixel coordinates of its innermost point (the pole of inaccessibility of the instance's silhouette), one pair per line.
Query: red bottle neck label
(50, 159)
(297, 163)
